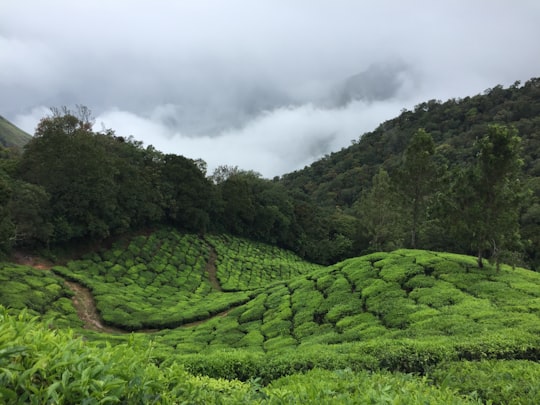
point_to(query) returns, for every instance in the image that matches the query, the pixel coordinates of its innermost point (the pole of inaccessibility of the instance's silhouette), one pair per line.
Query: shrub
(499, 382)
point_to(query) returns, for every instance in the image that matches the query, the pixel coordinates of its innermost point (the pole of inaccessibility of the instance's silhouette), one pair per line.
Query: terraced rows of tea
(405, 310)
(271, 315)
(162, 280)
(40, 292)
(247, 265)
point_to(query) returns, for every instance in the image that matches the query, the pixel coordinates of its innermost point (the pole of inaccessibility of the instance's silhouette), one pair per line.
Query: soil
(212, 270)
(83, 301)
(27, 259)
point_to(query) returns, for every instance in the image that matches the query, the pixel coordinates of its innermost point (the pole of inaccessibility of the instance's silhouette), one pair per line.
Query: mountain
(11, 136)
(339, 182)
(339, 177)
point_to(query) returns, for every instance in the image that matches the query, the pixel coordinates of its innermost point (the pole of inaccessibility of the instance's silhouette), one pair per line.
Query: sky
(265, 85)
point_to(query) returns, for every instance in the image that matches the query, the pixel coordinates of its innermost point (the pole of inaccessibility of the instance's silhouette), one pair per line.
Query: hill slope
(455, 124)
(415, 311)
(11, 136)
(343, 182)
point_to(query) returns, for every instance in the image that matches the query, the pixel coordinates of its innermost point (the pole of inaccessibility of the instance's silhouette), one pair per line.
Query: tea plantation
(218, 319)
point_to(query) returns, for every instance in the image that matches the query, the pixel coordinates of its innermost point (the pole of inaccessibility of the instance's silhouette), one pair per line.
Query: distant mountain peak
(12, 136)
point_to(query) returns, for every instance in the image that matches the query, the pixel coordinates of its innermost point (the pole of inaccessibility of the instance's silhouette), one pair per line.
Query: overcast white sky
(267, 85)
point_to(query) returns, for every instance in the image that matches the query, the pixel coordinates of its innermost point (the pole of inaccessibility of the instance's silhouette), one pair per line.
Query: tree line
(342, 180)
(71, 183)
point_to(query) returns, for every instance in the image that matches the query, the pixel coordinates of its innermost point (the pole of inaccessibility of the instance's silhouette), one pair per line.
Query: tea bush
(501, 382)
(41, 292)
(405, 311)
(247, 265)
(168, 287)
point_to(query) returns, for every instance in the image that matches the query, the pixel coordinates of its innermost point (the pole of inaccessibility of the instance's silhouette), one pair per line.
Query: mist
(269, 86)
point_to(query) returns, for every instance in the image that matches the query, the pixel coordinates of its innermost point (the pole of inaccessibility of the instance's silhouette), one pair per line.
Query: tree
(380, 214)
(29, 210)
(488, 194)
(416, 179)
(7, 228)
(73, 166)
(187, 193)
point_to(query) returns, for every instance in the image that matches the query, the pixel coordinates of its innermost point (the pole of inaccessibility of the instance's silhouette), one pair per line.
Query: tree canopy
(445, 176)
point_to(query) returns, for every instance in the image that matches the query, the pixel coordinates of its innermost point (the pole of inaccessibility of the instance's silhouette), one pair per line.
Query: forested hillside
(460, 175)
(348, 181)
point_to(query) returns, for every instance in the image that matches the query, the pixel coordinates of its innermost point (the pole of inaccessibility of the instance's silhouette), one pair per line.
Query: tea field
(233, 321)
(163, 280)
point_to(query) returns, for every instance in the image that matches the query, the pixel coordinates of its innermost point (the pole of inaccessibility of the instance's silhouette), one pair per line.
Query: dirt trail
(83, 301)
(32, 261)
(211, 269)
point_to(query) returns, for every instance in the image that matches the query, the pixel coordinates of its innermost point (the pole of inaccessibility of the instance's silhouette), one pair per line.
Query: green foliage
(41, 365)
(346, 386)
(342, 179)
(38, 291)
(408, 311)
(381, 214)
(487, 197)
(502, 382)
(247, 265)
(72, 183)
(38, 365)
(168, 287)
(417, 180)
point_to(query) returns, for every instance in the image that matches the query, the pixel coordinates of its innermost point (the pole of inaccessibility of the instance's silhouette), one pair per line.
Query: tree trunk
(414, 221)
(480, 262)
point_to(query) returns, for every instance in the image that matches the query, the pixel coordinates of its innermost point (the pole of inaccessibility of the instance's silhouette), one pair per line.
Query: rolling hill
(237, 321)
(11, 136)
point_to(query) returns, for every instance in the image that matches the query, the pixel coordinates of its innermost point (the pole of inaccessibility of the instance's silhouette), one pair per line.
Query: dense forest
(461, 176)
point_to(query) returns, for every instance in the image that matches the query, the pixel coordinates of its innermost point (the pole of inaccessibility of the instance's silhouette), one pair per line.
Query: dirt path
(83, 301)
(211, 269)
(30, 260)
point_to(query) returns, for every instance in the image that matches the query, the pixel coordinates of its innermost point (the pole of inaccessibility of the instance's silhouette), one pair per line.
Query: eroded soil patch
(83, 301)
(211, 269)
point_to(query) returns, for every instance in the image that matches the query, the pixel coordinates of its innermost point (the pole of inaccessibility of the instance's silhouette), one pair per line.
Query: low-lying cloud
(268, 85)
(273, 143)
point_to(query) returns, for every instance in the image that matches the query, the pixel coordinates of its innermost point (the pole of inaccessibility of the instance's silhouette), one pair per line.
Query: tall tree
(488, 194)
(380, 214)
(187, 193)
(416, 178)
(29, 210)
(73, 165)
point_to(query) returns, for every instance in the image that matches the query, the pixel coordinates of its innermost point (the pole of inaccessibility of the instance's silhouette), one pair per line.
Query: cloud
(275, 142)
(223, 80)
